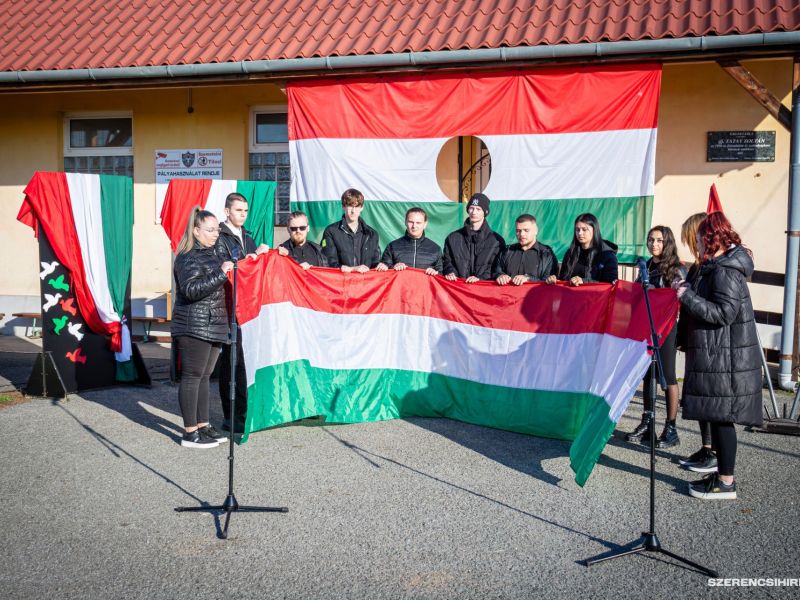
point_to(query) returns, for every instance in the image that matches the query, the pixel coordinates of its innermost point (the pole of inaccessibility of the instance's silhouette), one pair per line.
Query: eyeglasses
(217, 230)
(298, 228)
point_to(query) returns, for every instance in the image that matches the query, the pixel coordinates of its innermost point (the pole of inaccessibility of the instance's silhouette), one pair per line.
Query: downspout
(792, 242)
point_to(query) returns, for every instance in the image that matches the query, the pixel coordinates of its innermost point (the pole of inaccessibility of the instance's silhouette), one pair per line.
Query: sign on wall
(191, 163)
(741, 146)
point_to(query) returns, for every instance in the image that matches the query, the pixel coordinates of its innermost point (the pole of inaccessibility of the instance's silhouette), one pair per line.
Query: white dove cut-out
(75, 329)
(47, 269)
(51, 301)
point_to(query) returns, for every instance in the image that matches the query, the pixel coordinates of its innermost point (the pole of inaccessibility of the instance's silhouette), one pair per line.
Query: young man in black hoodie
(470, 252)
(413, 249)
(234, 241)
(528, 259)
(351, 244)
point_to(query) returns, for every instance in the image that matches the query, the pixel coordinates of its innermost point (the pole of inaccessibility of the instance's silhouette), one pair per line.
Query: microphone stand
(230, 504)
(649, 542)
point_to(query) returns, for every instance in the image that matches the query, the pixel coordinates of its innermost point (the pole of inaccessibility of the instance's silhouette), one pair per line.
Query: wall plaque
(741, 146)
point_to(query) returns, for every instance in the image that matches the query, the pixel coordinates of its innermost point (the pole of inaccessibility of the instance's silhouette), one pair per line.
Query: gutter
(286, 66)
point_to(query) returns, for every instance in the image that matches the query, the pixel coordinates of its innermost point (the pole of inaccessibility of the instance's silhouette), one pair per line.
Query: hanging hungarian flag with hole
(546, 360)
(209, 194)
(562, 141)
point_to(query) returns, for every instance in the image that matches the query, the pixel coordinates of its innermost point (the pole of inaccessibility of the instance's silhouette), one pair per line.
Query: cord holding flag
(546, 360)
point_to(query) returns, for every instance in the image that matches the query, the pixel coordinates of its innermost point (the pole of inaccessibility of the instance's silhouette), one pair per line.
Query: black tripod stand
(230, 504)
(649, 541)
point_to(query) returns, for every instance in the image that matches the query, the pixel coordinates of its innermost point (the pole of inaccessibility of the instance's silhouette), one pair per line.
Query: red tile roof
(72, 34)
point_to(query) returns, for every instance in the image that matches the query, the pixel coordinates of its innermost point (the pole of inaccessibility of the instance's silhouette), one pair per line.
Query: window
(269, 154)
(98, 143)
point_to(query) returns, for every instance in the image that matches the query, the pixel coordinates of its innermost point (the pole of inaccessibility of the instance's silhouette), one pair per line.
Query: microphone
(236, 254)
(644, 274)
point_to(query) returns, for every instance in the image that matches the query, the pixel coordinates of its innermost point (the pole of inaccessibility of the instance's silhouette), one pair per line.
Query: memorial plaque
(741, 146)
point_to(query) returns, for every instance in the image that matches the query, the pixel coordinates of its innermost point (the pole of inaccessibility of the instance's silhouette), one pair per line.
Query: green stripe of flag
(116, 205)
(261, 209)
(624, 221)
(296, 389)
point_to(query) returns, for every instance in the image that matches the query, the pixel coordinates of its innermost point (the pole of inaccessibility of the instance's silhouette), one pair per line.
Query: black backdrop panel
(83, 358)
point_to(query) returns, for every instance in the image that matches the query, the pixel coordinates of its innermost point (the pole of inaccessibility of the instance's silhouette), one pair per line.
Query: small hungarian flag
(209, 194)
(714, 204)
(545, 360)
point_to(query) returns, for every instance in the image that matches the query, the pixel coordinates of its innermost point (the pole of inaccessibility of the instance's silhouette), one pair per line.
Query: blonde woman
(200, 323)
(704, 460)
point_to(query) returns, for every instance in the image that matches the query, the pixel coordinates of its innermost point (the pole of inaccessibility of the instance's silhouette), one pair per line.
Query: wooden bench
(147, 324)
(34, 316)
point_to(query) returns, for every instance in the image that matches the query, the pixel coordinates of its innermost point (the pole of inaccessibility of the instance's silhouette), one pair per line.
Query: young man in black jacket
(470, 252)
(234, 242)
(413, 249)
(306, 253)
(528, 259)
(351, 244)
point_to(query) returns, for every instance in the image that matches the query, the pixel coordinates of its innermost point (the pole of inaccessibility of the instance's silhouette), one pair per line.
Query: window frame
(102, 150)
(266, 109)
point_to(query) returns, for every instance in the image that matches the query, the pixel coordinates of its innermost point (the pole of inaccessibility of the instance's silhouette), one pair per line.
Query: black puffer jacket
(200, 296)
(228, 240)
(723, 358)
(470, 253)
(420, 253)
(537, 262)
(602, 266)
(343, 247)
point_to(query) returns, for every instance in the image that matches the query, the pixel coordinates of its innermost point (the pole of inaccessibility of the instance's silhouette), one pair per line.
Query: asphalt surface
(411, 508)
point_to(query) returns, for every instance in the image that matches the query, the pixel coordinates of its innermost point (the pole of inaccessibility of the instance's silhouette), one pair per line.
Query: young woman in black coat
(589, 258)
(200, 323)
(664, 269)
(723, 358)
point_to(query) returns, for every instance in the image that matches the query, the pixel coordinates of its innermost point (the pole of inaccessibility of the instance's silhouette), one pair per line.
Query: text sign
(192, 163)
(741, 146)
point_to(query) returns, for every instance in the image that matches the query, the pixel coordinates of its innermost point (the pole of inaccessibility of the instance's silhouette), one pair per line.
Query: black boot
(641, 432)
(669, 437)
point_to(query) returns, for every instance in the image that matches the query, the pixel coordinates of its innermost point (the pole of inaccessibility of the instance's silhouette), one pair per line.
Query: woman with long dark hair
(589, 257)
(723, 358)
(664, 269)
(199, 323)
(704, 460)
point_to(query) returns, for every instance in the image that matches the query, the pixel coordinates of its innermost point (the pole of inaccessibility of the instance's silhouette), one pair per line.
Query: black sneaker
(696, 458)
(669, 437)
(712, 489)
(709, 465)
(640, 433)
(193, 439)
(209, 432)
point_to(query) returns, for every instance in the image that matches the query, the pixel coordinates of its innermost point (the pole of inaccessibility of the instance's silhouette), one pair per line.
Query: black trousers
(723, 436)
(198, 358)
(240, 396)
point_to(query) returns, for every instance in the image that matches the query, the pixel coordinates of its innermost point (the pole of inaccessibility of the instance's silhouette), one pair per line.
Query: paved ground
(415, 508)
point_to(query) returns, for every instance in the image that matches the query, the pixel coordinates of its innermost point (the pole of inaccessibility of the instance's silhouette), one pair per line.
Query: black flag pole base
(229, 506)
(649, 543)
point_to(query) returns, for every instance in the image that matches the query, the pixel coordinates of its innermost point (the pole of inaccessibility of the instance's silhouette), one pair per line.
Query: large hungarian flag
(562, 141)
(209, 194)
(88, 220)
(552, 361)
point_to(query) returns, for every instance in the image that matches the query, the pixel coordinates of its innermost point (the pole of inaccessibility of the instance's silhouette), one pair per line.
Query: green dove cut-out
(59, 324)
(58, 283)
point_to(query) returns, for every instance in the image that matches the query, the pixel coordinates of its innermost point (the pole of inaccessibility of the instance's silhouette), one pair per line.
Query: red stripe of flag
(555, 100)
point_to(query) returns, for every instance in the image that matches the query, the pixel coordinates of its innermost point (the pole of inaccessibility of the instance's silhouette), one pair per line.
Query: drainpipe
(792, 242)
